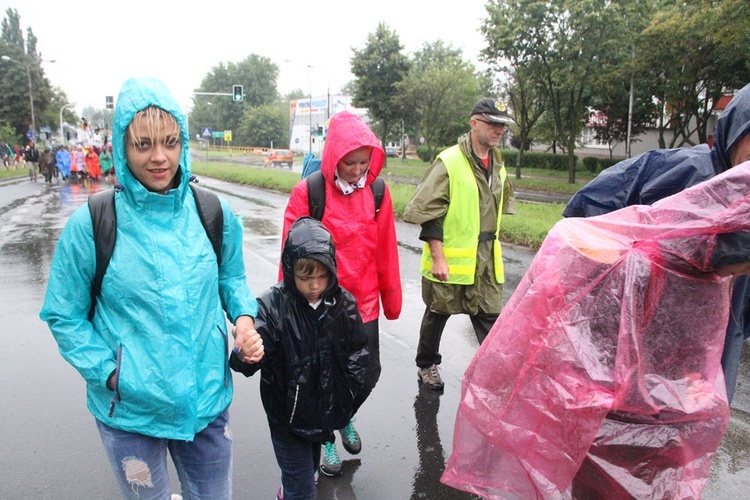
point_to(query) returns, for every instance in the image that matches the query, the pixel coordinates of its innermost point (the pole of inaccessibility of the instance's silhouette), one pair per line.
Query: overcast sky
(97, 45)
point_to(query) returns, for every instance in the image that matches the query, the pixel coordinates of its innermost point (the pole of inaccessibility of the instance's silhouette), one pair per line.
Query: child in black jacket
(315, 355)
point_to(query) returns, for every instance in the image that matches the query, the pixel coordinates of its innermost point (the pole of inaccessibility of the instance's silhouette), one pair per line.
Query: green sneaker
(330, 464)
(350, 438)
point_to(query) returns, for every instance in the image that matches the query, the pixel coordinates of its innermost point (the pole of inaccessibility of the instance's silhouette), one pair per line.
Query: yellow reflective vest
(461, 226)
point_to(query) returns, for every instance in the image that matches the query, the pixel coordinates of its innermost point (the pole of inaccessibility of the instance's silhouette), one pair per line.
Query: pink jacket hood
(366, 244)
(346, 133)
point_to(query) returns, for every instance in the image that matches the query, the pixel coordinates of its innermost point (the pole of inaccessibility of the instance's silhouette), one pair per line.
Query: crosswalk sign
(206, 132)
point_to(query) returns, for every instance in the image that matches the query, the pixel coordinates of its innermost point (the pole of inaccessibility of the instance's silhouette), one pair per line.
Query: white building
(309, 119)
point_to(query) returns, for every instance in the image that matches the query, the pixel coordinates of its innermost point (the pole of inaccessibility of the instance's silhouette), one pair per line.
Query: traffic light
(110, 102)
(237, 93)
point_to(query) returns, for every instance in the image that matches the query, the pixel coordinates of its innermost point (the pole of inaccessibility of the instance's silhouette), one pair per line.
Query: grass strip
(527, 228)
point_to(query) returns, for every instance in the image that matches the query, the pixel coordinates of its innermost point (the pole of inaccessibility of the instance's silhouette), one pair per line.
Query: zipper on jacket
(294, 406)
(321, 328)
(116, 397)
(225, 336)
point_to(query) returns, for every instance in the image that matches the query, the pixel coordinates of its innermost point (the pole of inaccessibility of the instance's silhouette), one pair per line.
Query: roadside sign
(32, 135)
(228, 135)
(218, 134)
(206, 132)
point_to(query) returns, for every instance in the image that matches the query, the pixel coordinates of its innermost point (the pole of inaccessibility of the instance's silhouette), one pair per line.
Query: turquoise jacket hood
(136, 95)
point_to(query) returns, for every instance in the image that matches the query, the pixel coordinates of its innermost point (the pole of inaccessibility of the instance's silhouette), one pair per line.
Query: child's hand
(247, 342)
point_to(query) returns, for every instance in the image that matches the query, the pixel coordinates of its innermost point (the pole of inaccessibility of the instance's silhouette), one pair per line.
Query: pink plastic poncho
(602, 375)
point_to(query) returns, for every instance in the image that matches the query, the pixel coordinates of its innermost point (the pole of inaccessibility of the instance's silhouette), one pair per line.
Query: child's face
(312, 285)
(354, 164)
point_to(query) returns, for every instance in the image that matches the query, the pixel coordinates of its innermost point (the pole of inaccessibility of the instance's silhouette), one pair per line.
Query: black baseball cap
(492, 109)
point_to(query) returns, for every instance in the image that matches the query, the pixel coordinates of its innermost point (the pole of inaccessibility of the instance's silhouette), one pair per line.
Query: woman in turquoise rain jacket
(154, 354)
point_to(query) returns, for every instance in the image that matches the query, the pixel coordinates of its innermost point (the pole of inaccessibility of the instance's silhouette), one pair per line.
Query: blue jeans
(298, 460)
(203, 465)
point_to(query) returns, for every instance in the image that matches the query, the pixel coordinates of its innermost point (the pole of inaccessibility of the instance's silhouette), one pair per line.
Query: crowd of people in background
(73, 163)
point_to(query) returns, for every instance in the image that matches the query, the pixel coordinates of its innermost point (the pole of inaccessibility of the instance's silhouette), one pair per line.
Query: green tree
(349, 88)
(295, 94)
(618, 84)
(15, 104)
(379, 66)
(611, 105)
(563, 44)
(265, 125)
(11, 29)
(438, 93)
(52, 114)
(257, 75)
(690, 55)
(527, 102)
(8, 133)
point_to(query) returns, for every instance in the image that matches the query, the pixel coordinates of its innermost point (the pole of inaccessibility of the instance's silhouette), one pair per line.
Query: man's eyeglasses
(501, 126)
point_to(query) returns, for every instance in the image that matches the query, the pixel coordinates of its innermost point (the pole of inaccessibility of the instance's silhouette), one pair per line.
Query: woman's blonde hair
(157, 121)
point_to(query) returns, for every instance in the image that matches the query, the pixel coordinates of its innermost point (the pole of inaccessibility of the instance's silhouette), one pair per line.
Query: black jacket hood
(308, 238)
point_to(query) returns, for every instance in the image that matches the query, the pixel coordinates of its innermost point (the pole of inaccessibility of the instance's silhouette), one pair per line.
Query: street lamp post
(309, 83)
(62, 135)
(328, 91)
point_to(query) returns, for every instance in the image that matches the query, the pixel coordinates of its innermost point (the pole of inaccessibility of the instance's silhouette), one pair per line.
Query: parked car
(391, 151)
(279, 157)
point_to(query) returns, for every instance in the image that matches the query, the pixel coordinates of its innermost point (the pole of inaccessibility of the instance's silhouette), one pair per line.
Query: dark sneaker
(350, 438)
(430, 377)
(330, 464)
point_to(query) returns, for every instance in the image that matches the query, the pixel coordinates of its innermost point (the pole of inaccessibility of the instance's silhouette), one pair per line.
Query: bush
(424, 152)
(560, 162)
(510, 157)
(607, 162)
(548, 161)
(591, 163)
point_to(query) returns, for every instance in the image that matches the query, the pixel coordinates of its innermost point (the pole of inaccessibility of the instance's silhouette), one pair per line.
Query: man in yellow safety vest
(459, 204)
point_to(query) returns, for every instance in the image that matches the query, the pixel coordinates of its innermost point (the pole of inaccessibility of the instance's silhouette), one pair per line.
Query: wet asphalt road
(50, 447)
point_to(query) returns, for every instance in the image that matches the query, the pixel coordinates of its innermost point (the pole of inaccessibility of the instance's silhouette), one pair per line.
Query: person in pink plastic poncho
(602, 376)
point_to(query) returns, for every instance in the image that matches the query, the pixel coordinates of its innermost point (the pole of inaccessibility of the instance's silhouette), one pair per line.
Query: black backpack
(104, 219)
(316, 194)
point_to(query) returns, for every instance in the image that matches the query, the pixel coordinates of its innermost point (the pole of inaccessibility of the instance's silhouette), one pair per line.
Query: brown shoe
(430, 377)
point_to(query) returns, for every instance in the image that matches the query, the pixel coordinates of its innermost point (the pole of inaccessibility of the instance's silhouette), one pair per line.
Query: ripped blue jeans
(204, 465)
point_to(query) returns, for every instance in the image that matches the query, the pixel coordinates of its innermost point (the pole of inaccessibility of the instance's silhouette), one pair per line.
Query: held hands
(247, 342)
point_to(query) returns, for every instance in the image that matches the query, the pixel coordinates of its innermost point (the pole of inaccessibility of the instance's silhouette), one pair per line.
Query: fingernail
(236, 349)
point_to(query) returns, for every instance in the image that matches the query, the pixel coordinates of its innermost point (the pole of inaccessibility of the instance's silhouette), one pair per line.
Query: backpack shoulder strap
(316, 194)
(378, 191)
(212, 217)
(104, 221)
